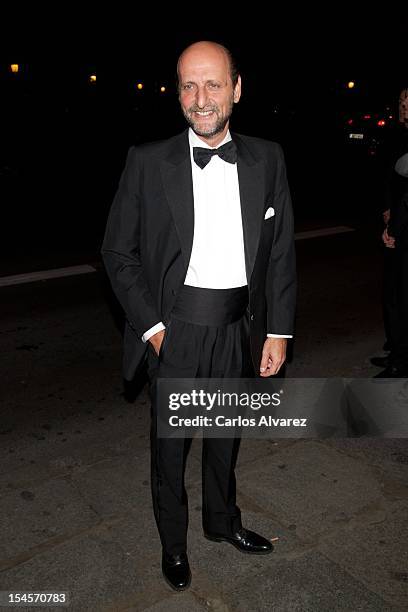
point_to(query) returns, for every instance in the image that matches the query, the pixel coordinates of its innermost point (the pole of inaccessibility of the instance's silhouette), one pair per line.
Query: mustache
(195, 109)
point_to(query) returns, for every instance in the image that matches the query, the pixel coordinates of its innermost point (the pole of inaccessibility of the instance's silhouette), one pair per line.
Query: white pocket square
(269, 213)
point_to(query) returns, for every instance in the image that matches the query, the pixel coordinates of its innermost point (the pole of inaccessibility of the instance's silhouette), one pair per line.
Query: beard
(215, 128)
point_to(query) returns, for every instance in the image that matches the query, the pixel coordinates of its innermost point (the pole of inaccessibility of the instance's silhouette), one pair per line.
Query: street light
(351, 84)
(14, 68)
(140, 86)
(92, 78)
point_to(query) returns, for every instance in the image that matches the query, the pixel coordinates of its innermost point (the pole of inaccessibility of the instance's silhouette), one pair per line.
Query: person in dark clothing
(199, 248)
(395, 238)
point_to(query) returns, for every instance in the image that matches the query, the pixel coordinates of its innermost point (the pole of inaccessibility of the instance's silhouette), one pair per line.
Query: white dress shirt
(217, 257)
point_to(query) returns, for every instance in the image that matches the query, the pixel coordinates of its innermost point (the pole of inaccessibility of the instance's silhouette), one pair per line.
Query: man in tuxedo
(200, 253)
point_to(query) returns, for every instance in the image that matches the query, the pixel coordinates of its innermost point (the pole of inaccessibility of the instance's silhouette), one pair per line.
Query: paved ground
(75, 509)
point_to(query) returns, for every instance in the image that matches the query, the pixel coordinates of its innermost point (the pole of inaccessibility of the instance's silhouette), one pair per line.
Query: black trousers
(399, 352)
(390, 303)
(207, 336)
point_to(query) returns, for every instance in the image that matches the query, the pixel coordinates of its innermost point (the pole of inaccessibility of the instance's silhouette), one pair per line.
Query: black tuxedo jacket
(149, 236)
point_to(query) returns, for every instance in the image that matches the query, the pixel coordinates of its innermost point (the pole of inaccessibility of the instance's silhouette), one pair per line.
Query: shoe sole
(246, 552)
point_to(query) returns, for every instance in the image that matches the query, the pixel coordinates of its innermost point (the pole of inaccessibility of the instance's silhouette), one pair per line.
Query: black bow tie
(227, 152)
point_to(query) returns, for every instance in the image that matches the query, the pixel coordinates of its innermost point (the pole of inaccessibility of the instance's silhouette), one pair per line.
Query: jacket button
(252, 317)
(173, 291)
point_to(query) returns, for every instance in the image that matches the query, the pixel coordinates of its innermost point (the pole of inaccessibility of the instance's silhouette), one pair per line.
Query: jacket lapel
(251, 176)
(178, 185)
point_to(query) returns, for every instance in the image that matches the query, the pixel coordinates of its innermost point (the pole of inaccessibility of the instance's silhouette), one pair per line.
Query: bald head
(208, 50)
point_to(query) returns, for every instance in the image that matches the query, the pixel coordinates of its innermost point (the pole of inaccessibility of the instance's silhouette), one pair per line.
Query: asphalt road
(74, 472)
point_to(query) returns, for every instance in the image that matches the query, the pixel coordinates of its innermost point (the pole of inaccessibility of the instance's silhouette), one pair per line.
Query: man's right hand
(156, 340)
(388, 240)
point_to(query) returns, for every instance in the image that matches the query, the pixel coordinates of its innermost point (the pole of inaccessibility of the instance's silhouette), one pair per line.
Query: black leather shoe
(176, 571)
(246, 541)
(380, 362)
(393, 372)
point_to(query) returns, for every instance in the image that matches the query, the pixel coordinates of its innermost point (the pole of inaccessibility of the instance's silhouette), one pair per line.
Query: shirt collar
(195, 141)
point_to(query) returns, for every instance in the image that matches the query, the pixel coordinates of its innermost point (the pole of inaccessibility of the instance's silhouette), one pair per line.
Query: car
(367, 130)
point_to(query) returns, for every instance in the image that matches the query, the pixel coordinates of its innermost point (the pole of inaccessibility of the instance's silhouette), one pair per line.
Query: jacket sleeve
(281, 273)
(121, 249)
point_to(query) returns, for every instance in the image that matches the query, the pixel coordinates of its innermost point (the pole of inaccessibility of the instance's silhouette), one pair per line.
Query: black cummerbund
(213, 307)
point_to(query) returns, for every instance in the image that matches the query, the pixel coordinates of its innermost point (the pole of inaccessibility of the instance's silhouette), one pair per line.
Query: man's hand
(156, 340)
(388, 240)
(273, 356)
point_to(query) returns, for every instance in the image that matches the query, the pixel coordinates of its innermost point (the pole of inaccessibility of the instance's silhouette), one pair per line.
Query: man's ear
(237, 90)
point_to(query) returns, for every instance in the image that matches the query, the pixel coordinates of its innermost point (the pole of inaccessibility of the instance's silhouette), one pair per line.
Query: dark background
(64, 140)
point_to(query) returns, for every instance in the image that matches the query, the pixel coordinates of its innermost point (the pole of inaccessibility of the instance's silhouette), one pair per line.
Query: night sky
(282, 53)
(61, 135)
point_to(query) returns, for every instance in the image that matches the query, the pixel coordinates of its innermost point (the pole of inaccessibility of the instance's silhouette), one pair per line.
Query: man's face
(403, 107)
(206, 92)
